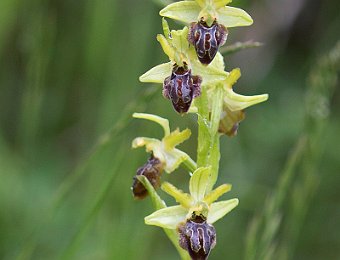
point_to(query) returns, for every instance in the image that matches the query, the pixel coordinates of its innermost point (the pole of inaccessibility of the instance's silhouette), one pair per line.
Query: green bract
(193, 11)
(198, 202)
(164, 149)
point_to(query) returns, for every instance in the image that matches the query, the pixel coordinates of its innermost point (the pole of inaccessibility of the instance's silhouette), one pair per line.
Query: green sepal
(157, 74)
(198, 183)
(221, 3)
(168, 217)
(157, 119)
(234, 101)
(233, 17)
(184, 11)
(220, 209)
(210, 74)
(237, 102)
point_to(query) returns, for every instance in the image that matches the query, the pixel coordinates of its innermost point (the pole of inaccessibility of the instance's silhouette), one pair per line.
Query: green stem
(214, 153)
(208, 151)
(203, 129)
(190, 165)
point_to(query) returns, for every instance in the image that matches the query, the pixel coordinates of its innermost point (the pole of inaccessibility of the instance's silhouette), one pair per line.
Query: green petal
(233, 76)
(221, 3)
(175, 138)
(233, 17)
(166, 46)
(144, 141)
(220, 209)
(168, 217)
(237, 102)
(198, 183)
(156, 200)
(181, 197)
(157, 74)
(180, 40)
(185, 11)
(166, 29)
(157, 119)
(216, 193)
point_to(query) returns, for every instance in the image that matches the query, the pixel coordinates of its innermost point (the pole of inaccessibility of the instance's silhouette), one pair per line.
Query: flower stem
(208, 151)
(190, 165)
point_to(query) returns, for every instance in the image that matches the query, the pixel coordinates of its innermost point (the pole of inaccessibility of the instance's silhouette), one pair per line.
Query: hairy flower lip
(207, 39)
(181, 87)
(152, 170)
(197, 237)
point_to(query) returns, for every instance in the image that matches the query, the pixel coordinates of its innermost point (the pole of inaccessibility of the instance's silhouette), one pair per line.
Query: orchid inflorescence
(195, 81)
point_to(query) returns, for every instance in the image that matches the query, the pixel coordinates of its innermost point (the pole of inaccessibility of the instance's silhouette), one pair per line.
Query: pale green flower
(175, 45)
(209, 11)
(164, 149)
(199, 202)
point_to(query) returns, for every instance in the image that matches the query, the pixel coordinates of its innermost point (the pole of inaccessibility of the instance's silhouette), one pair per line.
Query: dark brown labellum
(181, 87)
(207, 39)
(152, 170)
(197, 237)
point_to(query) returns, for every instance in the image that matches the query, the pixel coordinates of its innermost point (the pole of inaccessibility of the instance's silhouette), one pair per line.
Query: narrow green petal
(237, 102)
(216, 193)
(175, 138)
(157, 119)
(180, 40)
(168, 217)
(144, 141)
(185, 11)
(181, 197)
(157, 74)
(233, 76)
(221, 3)
(151, 145)
(233, 17)
(220, 209)
(156, 200)
(166, 29)
(166, 46)
(198, 183)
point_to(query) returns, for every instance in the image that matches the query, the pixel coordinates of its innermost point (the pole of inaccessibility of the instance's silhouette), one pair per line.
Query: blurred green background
(69, 84)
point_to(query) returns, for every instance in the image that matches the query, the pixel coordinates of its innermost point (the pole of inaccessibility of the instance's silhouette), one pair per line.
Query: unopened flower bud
(207, 39)
(181, 87)
(152, 170)
(197, 237)
(230, 121)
